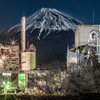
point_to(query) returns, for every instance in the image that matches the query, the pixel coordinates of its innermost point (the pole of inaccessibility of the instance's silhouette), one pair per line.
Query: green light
(21, 76)
(7, 85)
(21, 79)
(4, 83)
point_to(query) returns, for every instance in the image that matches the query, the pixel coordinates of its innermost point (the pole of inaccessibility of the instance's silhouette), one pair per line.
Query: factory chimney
(28, 57)
(23, 33)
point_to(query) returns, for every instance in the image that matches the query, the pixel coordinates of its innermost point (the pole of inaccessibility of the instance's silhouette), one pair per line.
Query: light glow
(3, 57)
(7, 85)
(6, 74)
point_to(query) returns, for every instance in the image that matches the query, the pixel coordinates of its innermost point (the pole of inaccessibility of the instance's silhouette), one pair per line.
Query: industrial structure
(18, 72)
(82, 34)
(28, 56)
(16, 62)
(9, 57)
(87, 45)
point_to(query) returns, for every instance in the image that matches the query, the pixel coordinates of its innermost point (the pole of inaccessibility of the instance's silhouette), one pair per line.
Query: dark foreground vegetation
(51, 97)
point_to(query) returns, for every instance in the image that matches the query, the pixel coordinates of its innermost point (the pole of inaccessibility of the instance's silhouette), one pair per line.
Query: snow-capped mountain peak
(47, 19)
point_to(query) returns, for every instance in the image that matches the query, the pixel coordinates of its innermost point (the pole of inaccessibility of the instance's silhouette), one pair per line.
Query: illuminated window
(21, 79)
(6, 74)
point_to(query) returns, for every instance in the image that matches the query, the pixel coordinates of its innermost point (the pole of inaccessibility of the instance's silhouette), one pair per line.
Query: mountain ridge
(47, 19)
(49, 30)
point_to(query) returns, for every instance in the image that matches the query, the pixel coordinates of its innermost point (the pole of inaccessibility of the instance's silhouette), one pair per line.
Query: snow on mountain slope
(48, 20)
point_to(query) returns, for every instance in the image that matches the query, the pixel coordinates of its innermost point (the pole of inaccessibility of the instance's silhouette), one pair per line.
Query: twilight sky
(12, 10)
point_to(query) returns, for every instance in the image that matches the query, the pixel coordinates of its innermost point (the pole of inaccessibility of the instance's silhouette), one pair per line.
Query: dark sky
(12, 10)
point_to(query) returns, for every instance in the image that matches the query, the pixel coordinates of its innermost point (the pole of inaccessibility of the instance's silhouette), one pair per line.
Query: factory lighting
(3, 57)
(12, 42)
(40, 83)
(1, 62)
(6, 74)
(21, 79)
(35, 88)
(7, 84)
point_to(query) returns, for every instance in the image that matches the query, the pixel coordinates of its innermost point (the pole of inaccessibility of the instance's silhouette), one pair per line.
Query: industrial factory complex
(16, 62)
(18, 71)
(87, 46)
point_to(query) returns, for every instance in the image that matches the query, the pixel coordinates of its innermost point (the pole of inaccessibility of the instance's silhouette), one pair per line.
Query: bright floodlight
(7, 85)
(13, 42)
(3, 57)
(6, 74)
(1, 63)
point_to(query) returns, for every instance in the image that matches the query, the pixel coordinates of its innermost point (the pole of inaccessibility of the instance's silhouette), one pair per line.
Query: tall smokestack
(23, 33)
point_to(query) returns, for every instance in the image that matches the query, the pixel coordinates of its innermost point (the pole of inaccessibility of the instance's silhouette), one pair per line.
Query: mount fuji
(50, 31)
(47, 20)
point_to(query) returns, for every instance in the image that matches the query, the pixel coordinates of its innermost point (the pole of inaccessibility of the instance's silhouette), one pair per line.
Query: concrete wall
(82, 34)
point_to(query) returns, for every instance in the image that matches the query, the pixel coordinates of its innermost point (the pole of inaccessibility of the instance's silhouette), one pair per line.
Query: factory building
(8, 82)
(82, 34)
(28, 60)
(16, 62)
(74, 57)
(9, 57)
(19, 73)
(14, 58)
(87, 43)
